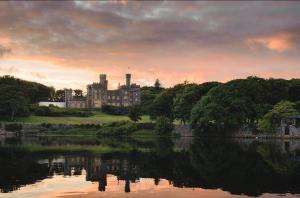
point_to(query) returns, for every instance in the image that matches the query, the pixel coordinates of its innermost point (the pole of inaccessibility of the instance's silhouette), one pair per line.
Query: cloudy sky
(67, 44)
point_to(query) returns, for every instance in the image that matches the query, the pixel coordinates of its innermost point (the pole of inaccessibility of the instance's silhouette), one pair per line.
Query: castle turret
(103, 81)
(128, 78)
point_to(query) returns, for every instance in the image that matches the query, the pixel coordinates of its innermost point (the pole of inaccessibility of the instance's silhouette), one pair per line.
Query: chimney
(128, 77)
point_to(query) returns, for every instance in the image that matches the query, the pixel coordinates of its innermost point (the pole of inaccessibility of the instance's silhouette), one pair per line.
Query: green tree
(32, 91)
(272, 119)
(12, 102)
(163, 103)
(157, 84)
(184, 102)
(135, 113)
(294, 90)
(78, 93)
(148, 95)
(59, 95)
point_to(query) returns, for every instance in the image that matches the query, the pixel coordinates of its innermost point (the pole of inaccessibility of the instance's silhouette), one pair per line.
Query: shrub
(56, 111)
(115, 110)
(118, 128)
(14, 127)
(135, 113)
(164, 126)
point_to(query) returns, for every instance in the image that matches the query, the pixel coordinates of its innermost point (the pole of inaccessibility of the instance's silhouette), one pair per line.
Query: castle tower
(128, 78)
(103, 81)
(68, 96)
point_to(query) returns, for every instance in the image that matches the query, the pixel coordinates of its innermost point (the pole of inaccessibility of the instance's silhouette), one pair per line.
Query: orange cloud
(281, 42)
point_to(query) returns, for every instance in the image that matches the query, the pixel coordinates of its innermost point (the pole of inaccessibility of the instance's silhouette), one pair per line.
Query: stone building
(74, 102)
(126, 95)
(98, 95)
(290, 126)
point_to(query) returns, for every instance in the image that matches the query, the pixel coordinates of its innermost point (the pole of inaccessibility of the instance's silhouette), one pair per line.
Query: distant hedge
(56, 111)
(123, 128)
(115, 110)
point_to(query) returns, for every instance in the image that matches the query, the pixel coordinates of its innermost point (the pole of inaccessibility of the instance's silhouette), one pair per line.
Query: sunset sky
(67, 44)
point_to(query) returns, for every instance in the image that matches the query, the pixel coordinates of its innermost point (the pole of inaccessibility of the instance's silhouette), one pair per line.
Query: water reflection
(240, 166)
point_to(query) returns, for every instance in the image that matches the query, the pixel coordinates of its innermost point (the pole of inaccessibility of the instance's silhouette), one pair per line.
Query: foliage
(56, 111)
(184, 102)
(164, 126)
(78, 93)
(113, 110)
(163, 103)
(294, 91)
(32, 91)
(157, 84)
(148, 95)
(59, 96)
(238, 102)
(135, 113)
(12, 102)
(273, 117)
(123, 128)
(118, 128)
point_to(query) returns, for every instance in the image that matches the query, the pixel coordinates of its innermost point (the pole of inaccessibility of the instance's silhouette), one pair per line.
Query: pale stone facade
(290, 126)
(98, 95)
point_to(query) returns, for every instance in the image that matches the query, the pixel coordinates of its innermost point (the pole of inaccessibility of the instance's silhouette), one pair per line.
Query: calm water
(76, 167)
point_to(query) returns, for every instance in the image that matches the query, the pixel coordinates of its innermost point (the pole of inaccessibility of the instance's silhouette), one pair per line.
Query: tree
(184, 102)
(135, 113)
(273, 117)
(163, 103)
(78, 93)
(60, 95)
(12, 102)
(294, 91)
(32, 91)
(157, 84)
(148, 95)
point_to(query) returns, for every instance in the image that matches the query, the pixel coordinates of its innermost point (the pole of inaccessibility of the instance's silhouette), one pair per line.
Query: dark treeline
(219, 107)
(208, 107)
(16, 95)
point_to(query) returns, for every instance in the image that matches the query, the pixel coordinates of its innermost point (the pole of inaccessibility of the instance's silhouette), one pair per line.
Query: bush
(56, 111)
(14, 127)
(118, 128)
(115, 110)
(164, 126)
(89, 126)
(135, 113)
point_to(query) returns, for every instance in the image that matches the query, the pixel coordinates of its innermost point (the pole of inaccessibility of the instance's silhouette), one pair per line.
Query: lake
(69, 167)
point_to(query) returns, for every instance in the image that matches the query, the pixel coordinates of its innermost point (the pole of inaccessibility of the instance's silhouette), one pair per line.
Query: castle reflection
(250, 167)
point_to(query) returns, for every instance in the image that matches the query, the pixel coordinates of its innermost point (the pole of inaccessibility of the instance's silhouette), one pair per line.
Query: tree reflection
(240, 167)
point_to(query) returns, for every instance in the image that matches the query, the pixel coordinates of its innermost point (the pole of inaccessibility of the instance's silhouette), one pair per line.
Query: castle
(98, 95)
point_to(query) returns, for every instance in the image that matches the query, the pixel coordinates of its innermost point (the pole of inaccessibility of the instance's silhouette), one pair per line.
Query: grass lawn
(99, 117)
